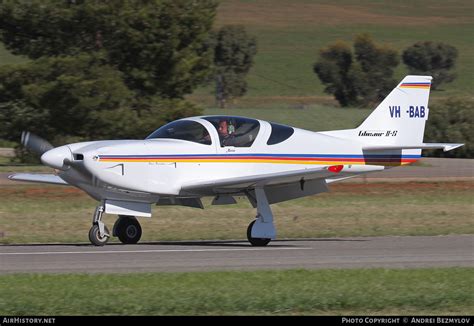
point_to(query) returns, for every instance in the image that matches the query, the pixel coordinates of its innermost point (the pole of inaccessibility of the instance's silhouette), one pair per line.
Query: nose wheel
(99, 233)
(127, 229)
(95, 238)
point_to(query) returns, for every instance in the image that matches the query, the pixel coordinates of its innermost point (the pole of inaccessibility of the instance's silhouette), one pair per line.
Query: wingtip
(450, 147)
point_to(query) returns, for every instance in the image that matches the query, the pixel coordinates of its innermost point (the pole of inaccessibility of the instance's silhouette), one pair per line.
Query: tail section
(396, 127)
(401, 117)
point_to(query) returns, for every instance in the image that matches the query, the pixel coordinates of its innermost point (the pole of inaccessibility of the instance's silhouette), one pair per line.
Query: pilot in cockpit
(226, 133)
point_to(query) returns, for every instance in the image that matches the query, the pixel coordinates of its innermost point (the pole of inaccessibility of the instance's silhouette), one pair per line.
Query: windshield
(184, 130)
(235, 131)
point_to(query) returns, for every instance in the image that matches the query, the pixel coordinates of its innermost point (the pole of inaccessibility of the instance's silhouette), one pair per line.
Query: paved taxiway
(390, 252)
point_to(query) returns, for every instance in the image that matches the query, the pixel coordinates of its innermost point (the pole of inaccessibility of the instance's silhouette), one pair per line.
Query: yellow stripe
(232, 161)
(257, 161)
(415, 86)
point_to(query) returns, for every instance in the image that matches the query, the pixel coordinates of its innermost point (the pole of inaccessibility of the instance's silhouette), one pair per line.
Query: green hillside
(311, 117)
(290, 34)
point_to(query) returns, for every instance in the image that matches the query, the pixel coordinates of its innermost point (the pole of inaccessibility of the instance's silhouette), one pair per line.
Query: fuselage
(160, 166)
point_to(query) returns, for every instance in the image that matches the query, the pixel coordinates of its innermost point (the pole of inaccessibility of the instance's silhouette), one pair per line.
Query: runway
(388, 252)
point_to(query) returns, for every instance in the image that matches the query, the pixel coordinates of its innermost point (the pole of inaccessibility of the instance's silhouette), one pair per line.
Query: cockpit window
(235, 131)
(279, 133)
(184, 130)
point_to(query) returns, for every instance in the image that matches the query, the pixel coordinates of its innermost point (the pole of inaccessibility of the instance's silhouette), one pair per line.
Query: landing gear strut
(99, 233)
(262, 230)
(127, 229)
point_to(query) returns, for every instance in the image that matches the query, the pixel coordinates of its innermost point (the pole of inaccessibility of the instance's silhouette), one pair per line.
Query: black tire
(95, 238)
(256, 242)
(128, 230)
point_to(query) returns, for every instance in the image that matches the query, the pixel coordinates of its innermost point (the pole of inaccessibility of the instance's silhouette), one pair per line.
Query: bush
(362, 76)
(451, 121)
(433, 59)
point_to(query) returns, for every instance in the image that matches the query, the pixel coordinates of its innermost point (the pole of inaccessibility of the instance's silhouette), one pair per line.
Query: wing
(39, 177)
(279, 186)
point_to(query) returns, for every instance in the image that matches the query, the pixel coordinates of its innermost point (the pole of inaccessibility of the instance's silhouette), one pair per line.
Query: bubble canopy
(232, 131)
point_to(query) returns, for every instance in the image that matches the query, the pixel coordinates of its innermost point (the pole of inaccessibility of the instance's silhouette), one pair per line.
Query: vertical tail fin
(396, 127)
(401, 117)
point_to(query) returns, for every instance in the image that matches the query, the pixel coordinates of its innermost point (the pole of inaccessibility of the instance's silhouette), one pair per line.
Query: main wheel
(257, 242)
(95, 238)
(128, 230)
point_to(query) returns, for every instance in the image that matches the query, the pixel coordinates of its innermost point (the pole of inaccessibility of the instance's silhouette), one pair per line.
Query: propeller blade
(35, 143)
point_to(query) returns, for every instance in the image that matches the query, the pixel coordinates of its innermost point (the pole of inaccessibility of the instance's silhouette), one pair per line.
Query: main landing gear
(126, 228)
(262, 230)
(259, 232)
(256, 242)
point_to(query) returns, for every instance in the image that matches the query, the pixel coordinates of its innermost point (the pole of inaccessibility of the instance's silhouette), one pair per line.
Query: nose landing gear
(99, 233)
(126, 228)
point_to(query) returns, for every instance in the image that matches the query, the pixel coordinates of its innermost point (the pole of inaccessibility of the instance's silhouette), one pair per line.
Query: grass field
(311, 117)
(444, 291)
(290, 34)
(37, 213)
(6, 166)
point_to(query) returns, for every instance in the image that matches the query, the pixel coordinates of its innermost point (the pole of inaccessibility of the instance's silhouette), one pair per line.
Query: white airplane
(227, 156)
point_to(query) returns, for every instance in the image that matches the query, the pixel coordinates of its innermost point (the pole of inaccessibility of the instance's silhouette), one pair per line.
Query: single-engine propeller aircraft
(227, 156)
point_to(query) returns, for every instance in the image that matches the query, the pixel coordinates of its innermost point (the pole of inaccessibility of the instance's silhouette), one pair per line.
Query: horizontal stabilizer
(38, 177)
(444, 146)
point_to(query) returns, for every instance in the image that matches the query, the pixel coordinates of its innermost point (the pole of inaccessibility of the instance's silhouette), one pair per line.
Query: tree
(159, 45)
(357, 77)
(378, 64)
(431, 58)
(101, 69)
(451, 121)
(60, 94)
(74, 98)
(336, 69)
(234, 50)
